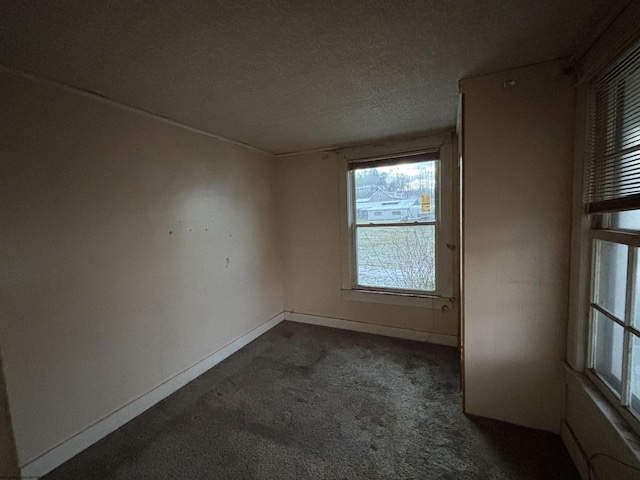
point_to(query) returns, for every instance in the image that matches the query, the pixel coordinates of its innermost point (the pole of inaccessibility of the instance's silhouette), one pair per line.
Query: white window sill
(402, 299)
(626, 440)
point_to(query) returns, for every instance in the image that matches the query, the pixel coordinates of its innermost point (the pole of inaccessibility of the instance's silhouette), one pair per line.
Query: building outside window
(398, 225)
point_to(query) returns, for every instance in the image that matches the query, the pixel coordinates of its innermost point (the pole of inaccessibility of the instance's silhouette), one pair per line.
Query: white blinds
(614, 177)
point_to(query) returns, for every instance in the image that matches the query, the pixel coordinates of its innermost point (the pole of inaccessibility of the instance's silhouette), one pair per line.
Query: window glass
(613, 203)
(395, 214)
(626, 220)
(635, 313)
(609, 339)
(634, 374)
(396, 194)
(611, 279)
(402, 257)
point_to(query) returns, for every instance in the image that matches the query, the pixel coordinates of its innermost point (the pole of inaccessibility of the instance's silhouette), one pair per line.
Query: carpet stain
(309, 402)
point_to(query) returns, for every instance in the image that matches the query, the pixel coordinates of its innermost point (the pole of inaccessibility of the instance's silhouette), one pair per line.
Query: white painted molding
(90, 435)
(395, 299)
(385, 148)
(616, 32)
(575, 450)
(593, 426)
(428, 337)
(114, 103)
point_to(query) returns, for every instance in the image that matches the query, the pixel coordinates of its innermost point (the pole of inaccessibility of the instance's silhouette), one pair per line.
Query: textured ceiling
(289, 75)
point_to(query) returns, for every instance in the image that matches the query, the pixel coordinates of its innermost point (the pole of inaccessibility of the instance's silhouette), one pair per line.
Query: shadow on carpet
(309, 402)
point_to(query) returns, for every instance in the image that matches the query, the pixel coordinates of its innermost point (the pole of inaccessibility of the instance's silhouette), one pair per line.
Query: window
(613, 204)
(397, 232)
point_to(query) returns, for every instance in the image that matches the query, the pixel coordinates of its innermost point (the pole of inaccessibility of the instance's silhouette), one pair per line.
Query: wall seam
(110, 101)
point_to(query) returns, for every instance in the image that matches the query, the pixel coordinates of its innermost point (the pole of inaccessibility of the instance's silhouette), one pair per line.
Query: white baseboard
(575, 450)
(79, 442)
(437, 338)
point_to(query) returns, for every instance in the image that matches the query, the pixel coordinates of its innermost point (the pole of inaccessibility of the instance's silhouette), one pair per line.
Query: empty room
(316, 240)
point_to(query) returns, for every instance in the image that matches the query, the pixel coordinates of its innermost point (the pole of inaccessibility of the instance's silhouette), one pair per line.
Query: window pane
(634, 374)
(627, 220)
(396, 194)
(635, 314)
(401, 257)
(609, 339)
(611, 278)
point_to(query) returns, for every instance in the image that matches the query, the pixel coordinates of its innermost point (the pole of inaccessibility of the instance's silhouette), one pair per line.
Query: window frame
(445, 244)
(620, 402)
(355, 226)
(596, 225)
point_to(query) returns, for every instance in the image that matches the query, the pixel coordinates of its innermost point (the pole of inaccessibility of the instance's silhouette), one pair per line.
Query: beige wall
(518, 144)
(594, 425)
(130, 250)
(8, 457)
(311, 203)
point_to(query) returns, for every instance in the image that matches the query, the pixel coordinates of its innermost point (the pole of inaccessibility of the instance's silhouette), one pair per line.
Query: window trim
(354, 226)
(592, 222)
(444, 234)
(621, 403)
(584, 392)
(580, 325)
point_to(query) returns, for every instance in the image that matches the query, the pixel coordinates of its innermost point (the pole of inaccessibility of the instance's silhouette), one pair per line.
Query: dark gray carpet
(307, 402)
